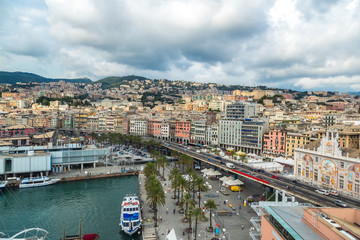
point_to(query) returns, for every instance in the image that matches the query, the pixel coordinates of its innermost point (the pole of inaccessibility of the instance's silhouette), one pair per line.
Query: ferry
(130, 217)
(3, 184)
(37, 182)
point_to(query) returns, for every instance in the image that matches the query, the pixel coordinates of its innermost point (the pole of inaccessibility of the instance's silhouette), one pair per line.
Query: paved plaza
(236, 226)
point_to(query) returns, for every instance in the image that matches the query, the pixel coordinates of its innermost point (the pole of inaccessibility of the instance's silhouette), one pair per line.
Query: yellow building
(296, 140)
(8, 94)
(81, 121)
(349, 136)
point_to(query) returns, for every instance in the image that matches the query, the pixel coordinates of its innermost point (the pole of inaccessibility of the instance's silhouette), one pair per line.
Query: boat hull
(3, 184)
(42, 184)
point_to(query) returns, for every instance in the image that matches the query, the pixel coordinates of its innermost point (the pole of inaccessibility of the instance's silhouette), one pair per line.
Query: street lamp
(204, 234)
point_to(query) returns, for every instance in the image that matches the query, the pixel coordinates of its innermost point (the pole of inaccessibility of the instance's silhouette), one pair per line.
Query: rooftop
(291, 219)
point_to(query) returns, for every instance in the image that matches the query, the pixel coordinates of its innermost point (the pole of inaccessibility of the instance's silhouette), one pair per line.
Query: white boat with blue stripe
(37, 182)
(3, 184)
(130, 217)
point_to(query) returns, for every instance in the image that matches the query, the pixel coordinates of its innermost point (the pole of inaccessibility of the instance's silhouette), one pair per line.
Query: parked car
(197, 167)
(322, 191)
(340, 203)
(275, 176)
(294, 181)
(334, 193)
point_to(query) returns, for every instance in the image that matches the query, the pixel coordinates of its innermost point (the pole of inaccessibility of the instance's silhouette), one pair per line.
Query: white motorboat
(3, 184)
(37, 182)
(130, 217)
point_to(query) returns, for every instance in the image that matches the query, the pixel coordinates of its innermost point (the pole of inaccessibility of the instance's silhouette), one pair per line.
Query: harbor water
(97, 202)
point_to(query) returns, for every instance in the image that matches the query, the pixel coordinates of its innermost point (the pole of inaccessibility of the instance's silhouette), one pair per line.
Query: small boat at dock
(37, 182)
(3, 184)
(130, 219)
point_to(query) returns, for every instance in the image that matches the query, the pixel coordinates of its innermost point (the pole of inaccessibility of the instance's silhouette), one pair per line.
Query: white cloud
(283, 43)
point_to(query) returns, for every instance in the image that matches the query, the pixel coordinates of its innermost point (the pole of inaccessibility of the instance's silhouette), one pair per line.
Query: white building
(138, 127)
(165, 130)
(212, 137)
(198, 133)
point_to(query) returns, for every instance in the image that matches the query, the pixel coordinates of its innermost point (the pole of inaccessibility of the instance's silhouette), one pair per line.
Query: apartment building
(240, 110)
(349, 136)
(212, 137)
(275, 142)
(182, 131)
(165, 130)
(198, 132)
(296, 140)
(138, 127)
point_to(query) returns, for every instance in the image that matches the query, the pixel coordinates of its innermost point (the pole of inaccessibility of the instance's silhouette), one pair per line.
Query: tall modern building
(241, 110)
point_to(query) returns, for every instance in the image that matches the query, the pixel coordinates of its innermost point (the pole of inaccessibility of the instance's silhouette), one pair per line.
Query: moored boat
(130, 217)
(3, 184)
(37, 182)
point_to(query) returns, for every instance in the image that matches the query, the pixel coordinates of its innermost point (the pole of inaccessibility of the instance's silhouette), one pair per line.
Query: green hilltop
(24, 77)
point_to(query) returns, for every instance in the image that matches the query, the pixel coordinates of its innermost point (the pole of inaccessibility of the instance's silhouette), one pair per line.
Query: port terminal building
(33, 160)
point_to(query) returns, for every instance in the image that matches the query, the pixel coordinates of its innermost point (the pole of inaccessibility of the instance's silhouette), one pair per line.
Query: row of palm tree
(154, 189)
(185, 188)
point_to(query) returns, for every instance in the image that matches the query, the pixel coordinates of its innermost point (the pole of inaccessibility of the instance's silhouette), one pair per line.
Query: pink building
(154, 128)
(274, 142)
(182, 131)
(18, 135)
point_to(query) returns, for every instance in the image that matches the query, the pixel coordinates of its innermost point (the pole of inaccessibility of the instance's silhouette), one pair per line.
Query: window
(8, 165)
(299, 170)
(307, 172)
(356, 189)
(341, 183)
(316, 159)
(342, 164)
(316, 175)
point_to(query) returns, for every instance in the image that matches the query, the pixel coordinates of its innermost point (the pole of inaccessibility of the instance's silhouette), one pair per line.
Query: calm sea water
(97, 202)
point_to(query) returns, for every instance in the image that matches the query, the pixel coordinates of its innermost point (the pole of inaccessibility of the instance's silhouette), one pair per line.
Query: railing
(255, 235)
(256, 221)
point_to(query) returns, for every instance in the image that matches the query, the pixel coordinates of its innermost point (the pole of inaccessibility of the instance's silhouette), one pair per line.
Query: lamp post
(204, 234)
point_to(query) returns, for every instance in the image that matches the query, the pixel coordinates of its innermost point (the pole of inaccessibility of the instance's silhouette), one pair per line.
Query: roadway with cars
(297, 189)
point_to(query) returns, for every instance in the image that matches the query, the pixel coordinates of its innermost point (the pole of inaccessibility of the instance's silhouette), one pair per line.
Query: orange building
(299, 222)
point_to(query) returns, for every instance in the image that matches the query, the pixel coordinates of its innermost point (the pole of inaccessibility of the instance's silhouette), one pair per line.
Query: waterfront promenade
(236, 226)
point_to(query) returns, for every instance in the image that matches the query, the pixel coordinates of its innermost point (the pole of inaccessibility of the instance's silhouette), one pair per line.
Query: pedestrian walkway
(230, 226)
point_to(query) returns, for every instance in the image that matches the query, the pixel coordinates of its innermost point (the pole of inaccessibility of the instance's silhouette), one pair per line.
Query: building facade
(327, 167)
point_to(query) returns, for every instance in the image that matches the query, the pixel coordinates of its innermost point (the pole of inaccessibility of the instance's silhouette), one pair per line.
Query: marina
(96, 202)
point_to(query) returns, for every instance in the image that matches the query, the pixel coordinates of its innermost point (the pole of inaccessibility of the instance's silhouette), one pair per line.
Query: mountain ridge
(25, 77)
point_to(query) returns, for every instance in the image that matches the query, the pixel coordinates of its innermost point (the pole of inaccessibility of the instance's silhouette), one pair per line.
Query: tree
(149, 169)
(189, 203)
(155, 196)
(174, 178)
(183, 185)
(164, 162)
(210, 205)
(185, 160)
(197, 213)
(232, 153)
(201, 185)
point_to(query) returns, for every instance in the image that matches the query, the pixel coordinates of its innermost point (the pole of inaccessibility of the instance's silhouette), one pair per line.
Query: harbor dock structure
(35, 159)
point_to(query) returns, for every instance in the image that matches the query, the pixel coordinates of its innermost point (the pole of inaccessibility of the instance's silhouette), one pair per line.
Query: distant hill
(24, 77)
(354, 93)
(110, 82)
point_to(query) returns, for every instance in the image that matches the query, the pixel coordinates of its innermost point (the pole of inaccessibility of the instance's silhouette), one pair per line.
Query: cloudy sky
(300, 44)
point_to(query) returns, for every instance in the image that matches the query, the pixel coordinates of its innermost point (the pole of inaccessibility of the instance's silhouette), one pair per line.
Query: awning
(213, 173)
(171, 235)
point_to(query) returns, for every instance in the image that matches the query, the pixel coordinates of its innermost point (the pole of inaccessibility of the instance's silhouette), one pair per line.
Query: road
(300, 190)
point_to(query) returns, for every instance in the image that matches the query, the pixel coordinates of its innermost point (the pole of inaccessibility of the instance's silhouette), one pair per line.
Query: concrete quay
(93, 173)
(236, 226)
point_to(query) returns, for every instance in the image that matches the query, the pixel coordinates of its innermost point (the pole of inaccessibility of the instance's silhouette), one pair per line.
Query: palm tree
(164, 162)
(232, 153)
(197, 213)
(185, 160)
(155, 196)
(149, 169)
(183, 185)
(200, 184)
(158, 163)
(174, 178)
(210, 205)
(175, 155)
(189, 203)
